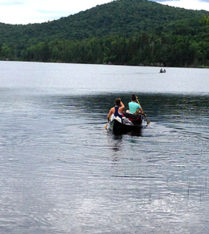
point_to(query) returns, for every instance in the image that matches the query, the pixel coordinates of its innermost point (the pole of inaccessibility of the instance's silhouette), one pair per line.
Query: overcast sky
(37, 11)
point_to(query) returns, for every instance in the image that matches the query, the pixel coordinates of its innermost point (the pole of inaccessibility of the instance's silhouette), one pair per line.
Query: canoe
(122, 126)
(163, 71)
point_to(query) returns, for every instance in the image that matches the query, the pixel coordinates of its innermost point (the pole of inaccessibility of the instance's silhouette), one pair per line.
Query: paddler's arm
(122, 107)
(140, 110)
(110, 113)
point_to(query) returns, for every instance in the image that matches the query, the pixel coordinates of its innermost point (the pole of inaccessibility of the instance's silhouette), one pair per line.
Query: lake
(62, 172)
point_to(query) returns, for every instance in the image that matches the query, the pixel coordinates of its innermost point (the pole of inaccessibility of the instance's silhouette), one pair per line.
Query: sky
(187, 4)
(38, 11)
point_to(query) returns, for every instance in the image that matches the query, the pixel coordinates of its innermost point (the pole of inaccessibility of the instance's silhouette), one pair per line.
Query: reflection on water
(61, 172)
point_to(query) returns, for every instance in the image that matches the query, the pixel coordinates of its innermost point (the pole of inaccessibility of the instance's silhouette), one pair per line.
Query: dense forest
(132, 32)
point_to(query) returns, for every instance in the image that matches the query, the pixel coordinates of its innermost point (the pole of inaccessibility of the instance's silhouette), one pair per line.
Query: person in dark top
(117, 110)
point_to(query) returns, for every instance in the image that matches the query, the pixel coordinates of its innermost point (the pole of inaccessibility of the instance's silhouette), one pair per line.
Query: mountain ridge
(109, 18)
(116, 21)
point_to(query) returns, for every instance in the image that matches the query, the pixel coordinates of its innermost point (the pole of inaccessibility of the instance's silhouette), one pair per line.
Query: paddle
(106, 126)
(147, 120)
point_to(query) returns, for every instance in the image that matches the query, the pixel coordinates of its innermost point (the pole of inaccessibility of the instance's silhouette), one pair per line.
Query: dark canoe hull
(120, 128)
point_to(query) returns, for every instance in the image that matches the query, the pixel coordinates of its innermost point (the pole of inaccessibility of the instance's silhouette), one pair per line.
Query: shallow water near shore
(61, 172)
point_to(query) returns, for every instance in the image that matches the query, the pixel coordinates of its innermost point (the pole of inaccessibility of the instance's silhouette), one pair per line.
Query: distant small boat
(162, 70)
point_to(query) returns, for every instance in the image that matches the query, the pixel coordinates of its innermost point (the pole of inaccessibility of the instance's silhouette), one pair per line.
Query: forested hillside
(121, 32)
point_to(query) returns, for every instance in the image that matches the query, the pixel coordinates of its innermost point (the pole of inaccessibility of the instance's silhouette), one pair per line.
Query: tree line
(142, 49)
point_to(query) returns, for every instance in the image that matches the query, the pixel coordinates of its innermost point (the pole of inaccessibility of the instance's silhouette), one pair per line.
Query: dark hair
(117, 101)
(133, 97)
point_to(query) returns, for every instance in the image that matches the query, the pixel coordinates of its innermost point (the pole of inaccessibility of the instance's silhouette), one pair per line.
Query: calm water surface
(61, 172)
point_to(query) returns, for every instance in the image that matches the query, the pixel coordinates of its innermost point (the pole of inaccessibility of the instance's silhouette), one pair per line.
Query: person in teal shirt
(134, 106)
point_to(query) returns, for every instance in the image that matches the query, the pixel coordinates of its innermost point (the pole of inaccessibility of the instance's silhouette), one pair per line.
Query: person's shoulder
(138, 105)
(135, 103)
